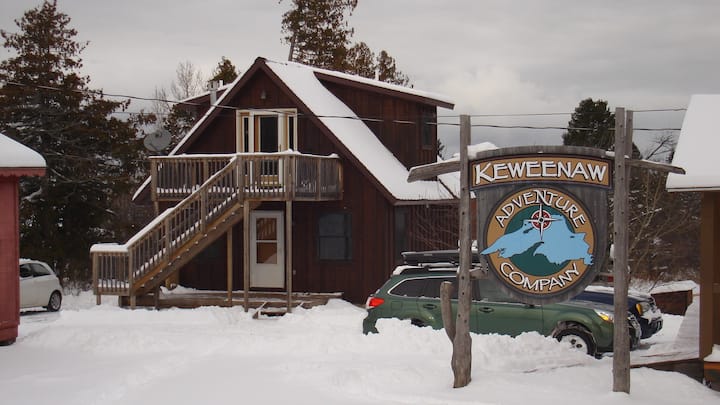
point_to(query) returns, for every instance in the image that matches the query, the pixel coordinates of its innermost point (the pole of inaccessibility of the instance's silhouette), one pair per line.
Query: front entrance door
(267, 249)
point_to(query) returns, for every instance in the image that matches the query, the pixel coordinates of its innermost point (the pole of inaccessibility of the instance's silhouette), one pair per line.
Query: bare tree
(189, 81)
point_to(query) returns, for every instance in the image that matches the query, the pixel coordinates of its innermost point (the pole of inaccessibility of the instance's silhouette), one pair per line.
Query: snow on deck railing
(276, 176)
(314, 177)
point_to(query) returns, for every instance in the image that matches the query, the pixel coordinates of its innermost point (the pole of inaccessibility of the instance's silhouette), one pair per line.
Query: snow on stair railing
(116, 267)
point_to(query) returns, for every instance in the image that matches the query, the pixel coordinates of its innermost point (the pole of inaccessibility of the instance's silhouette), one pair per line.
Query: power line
(364, 119)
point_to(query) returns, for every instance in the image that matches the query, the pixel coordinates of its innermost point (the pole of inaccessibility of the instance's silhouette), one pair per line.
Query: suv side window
(432, 288)
(409, 288)
(490, 291)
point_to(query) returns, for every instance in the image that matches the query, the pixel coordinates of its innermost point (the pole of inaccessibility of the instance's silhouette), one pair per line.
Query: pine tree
(318, 33)
(361, 61)
(388, 72)
(319, 36)
(592, 124)
(92, 157)
(225, 71)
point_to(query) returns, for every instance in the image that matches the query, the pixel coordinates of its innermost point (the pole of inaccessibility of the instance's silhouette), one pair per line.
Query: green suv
(413, 292)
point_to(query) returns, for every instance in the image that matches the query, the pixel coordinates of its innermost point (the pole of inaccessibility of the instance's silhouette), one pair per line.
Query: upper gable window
(427, 130)
(266, 131)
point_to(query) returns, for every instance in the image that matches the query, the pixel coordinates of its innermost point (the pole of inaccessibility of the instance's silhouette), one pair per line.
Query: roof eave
(381, 90)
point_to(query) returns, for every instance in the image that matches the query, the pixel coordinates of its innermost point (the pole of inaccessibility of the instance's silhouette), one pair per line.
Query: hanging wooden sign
(542, 218)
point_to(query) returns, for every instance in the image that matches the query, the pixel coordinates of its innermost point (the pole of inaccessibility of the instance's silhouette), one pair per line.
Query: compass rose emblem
(541, 220)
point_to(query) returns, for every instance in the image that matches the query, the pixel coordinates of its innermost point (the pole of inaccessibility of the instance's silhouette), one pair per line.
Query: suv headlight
(604, 315)
(642, 307)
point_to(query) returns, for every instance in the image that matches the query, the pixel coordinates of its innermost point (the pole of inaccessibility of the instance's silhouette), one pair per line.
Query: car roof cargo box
(436, 256)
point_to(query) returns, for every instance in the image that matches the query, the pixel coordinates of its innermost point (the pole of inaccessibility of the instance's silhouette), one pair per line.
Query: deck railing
(265, 176)
(286, 176)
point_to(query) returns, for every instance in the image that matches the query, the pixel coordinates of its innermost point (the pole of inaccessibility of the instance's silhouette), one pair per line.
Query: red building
(16, 161)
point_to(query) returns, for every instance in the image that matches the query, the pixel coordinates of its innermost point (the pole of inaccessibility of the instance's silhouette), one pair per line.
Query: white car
(39, 286)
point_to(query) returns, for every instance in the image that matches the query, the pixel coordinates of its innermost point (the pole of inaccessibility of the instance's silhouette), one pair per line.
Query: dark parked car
(412, 292)
(639, 304)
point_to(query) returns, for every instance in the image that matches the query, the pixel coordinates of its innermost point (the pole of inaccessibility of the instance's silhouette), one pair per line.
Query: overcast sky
(491, 57)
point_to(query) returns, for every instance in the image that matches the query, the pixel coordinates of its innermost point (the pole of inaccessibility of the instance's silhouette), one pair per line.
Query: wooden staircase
(167, 243)
(187, 251)
(210, 205)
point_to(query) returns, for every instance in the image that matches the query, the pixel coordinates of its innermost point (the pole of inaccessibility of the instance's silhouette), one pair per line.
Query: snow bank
(88, 354)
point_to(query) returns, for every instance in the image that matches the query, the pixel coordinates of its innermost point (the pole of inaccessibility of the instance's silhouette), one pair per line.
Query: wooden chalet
(293, 181)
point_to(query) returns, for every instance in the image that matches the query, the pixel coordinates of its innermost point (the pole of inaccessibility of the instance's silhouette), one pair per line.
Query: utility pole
(621, 337)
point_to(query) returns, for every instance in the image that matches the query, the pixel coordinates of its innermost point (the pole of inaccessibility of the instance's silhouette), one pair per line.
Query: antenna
(157, 141)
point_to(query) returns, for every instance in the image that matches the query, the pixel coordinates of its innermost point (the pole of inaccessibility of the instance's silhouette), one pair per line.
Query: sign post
(621, 341)
(462, 342)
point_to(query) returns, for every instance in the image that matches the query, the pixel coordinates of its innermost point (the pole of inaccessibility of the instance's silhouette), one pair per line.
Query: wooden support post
(156, 297)
(96, 277)
(462, 344)
(153, 186)
(246, 255)
(229, 247)
(288, 253)
(131, 280)
(446, 290)
(709, 275)
(621, 337)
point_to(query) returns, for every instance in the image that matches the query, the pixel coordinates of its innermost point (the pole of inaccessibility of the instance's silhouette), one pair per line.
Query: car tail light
(373, 302)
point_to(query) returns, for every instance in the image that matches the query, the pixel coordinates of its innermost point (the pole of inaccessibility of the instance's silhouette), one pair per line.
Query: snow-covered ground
(88, 354)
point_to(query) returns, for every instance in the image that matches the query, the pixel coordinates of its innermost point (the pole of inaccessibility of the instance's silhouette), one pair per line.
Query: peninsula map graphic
(556, 242)
(540, 239)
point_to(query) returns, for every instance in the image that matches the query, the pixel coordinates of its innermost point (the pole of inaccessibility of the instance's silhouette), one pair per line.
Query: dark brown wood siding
(398, 123)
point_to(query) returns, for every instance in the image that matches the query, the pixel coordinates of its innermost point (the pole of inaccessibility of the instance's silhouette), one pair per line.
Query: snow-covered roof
(16, 155)
(349, 129)
(697, 147)
(379, 84)
(355, 135)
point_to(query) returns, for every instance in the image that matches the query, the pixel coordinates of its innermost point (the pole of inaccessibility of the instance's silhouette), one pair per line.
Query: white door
(267, 249)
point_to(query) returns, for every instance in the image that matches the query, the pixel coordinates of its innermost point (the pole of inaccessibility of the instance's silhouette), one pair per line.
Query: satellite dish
(157, 141)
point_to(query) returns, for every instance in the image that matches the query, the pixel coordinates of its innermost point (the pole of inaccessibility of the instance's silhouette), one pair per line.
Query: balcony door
(266, 131)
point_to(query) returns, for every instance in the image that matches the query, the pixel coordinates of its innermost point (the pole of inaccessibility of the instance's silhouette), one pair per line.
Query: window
(427, 130)
(266, 131)
(25, 271)
(39, 270)
(334, 237)
(432, 289)
(409, 288)
(490, 291)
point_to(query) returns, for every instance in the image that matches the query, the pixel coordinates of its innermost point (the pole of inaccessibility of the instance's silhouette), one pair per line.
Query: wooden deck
(269, 302)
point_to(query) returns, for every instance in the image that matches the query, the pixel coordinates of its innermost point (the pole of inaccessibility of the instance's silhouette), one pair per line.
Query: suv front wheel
(579, 338)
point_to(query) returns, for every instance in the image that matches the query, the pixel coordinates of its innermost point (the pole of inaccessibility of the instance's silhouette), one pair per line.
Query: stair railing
(116, 267)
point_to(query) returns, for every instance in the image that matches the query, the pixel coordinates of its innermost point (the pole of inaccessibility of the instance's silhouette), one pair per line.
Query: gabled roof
(340, 124)
(697, 147)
